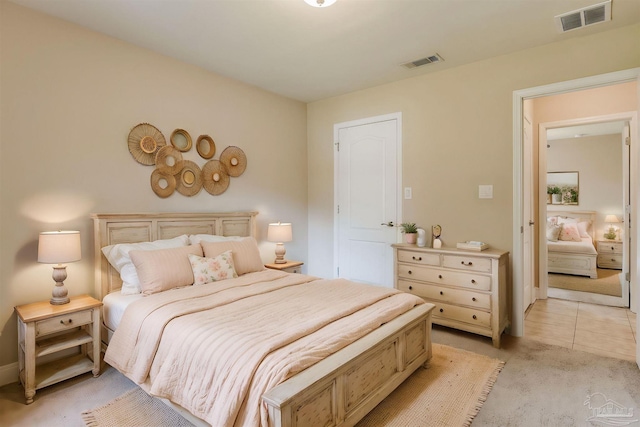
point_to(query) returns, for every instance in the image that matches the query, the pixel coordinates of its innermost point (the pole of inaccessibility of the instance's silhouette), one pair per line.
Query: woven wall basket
(144, 141)
(234, 159)
(169, 160)
(215, 177)
(181, 139)
(158, 178)
(189, 179)
(206, 147)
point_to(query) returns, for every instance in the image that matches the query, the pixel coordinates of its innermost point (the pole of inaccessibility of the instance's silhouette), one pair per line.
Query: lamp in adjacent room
(612, 234)
(280, 233)
(58, 247)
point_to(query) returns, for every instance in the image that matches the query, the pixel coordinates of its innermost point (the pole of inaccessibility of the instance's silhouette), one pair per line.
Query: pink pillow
(570, 233)
(164, 269)
(207, 270)
(246, 256)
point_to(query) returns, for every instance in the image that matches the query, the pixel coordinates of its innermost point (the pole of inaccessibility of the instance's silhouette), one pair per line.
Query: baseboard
(9, 374)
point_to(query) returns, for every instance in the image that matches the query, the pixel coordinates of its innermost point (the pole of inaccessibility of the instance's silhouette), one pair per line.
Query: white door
(626, 217)
(528, 215)
(367, 199)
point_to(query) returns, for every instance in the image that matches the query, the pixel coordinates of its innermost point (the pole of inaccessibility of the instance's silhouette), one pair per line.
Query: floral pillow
(570, 233)
(206, 270)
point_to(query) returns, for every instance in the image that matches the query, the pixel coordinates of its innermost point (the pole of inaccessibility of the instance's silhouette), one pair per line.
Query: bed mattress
(583, 247)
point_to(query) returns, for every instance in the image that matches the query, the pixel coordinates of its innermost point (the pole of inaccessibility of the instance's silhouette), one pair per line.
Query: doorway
(367, 167)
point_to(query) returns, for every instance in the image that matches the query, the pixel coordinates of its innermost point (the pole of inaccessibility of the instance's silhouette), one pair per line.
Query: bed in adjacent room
(191, 315)
(570, 243)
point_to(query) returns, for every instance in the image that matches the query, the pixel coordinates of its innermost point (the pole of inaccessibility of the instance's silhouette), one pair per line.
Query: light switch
(485, 191)
(407, 192)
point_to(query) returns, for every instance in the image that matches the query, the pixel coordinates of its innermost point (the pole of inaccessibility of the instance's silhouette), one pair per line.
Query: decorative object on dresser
(44, 329)
(469, 289)
(610, 254)
(289, 266)
(436, 231)
(57, 247)
(422, 238)
(612, 233)
(410, 231)
(280, 233)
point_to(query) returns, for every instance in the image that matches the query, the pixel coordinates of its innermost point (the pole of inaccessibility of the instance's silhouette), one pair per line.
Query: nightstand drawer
(63, 322)
(609, 247)
(610, 261)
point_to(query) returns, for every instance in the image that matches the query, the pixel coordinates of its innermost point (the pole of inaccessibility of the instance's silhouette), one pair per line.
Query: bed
(337, 389)
(577, 256)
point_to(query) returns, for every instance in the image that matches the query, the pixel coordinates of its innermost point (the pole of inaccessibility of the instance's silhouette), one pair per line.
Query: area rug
(449, 392)
(607, 283)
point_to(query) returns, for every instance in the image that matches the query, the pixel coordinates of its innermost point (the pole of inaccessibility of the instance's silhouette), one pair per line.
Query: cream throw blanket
(216, 349)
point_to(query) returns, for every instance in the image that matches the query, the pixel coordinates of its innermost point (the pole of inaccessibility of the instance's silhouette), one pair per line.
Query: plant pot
(556, 199)
(410, 237)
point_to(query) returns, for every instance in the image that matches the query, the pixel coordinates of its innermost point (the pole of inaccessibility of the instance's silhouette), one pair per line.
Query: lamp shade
(56, 247)
(279, 232)
(610, 219)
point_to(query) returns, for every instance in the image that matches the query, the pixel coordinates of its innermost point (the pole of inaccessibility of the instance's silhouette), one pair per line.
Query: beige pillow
(164, 269)
(570, 233)
(246, 256)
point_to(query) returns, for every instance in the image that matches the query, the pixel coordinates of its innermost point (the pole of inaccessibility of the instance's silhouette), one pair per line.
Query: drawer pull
(417, 259)
(474, 317)
(441, 293)
(473, 299)
(410, 272)
(442, 310)
(613, 259)
(69, 322)
(410, 288)
(612, 248)
(439, 276)
(469, 264)
(473, 281)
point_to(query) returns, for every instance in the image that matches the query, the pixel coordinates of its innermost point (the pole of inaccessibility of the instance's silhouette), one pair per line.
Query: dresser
(610, 254)
(468, 288)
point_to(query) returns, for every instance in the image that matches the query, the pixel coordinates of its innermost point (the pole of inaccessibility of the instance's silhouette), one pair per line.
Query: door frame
(336, 175)
(608, 79)
(631, 118)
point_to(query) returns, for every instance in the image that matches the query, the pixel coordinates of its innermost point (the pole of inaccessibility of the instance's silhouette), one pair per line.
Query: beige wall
(457, 134)
(69, 99)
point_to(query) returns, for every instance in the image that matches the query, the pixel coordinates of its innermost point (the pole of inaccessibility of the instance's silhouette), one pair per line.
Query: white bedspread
(114, 306)
(584, 247)
(216, 349)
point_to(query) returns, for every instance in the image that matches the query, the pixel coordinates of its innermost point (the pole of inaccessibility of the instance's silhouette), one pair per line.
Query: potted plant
(410, 231)
(556, 195)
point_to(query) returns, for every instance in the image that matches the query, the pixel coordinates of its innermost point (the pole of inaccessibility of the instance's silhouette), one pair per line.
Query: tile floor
(597, 329)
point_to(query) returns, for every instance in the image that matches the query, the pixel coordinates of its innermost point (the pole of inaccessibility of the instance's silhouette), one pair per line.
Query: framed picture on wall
(563, 187)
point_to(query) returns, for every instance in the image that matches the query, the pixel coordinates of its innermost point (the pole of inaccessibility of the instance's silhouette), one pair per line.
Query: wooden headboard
(587, 215)
(111, 229)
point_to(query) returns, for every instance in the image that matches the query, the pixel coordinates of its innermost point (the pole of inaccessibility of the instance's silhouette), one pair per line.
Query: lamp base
(280, 251)
(59, 294)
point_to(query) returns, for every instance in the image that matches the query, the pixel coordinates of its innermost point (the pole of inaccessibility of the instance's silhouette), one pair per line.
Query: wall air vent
(423, 61)
(586, 16)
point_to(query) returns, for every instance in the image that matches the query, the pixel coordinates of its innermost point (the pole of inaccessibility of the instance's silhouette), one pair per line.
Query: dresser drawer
(444, 294)
(63, 322)
(419, 258)
(445, 277)
(470, 263)
(610, 247)
(461, 314)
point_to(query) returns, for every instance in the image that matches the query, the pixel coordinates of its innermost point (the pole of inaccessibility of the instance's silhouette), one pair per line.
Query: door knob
(388, 224)
(531, 222)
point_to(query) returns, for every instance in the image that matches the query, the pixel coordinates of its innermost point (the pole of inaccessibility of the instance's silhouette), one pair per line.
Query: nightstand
(610, 254)
(45, 329)
(289, 266)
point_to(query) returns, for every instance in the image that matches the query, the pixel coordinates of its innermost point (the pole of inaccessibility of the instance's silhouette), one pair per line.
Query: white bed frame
(572, 263)
(337, 391)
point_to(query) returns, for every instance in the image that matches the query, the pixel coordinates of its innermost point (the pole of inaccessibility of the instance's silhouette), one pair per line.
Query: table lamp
(280, 232)
(612, 234)
(57, 247)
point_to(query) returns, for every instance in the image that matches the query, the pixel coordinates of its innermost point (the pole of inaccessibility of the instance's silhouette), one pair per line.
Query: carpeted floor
(607, 283)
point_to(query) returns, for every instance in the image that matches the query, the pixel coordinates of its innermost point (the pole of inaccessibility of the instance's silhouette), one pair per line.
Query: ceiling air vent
(580, 18)
(423, 61)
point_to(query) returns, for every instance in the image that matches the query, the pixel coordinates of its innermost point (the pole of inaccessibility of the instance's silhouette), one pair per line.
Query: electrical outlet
(407, 192)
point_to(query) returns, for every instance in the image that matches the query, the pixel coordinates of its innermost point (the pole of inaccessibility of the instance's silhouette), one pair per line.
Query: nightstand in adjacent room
(610, 254)
(289, 266)
(45, 329)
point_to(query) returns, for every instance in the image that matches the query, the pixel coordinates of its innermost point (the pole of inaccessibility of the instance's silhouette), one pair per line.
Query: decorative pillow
(197, 238)
(552, 220)
(584, 227)
(118, 257)
(570, 233)
(206, 270)
(164, 269)
(246, 256)
(553, 232)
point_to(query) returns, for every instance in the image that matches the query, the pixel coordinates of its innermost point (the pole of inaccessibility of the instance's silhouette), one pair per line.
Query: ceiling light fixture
(320, 3)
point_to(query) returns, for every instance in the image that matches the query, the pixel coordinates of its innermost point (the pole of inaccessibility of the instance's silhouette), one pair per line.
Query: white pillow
(194, 239)
(118, 257)
(553, 232)
(207, 270)
(583, 228)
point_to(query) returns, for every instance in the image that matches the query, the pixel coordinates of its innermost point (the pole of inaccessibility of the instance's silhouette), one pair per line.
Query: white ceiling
(305, 53)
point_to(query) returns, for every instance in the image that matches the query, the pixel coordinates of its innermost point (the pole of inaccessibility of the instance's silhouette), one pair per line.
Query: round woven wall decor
(144, 141)
(189, 179)
(181, 139)
(169, 160)
(162, 183)
(206, 147)
(234, 159)
(215, 177)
